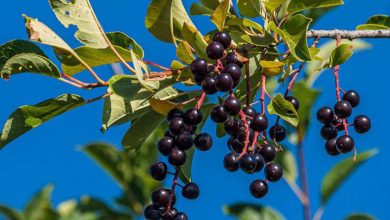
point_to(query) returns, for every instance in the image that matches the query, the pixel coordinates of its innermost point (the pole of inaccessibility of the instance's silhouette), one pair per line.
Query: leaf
(184, 53)
(340, 55)
(255, 80)
(10, 213)
(283, 108)
(150, 85)
(293, 32)
(184, 73)
(249, 8)
(39, 207)
(220, 130)
(80, 14)
(165, 17)
(220, 14)
(301, 5)
(200, 9)
(195, 39)
(29, 62)
(289, 165)
(28, 117)
(146, 124)
(240, 22)
(248, 211)
(212, 4)
(376, 22)
(340, 172)
(359, 216)
(163, 106)
(272, 5)
(121, 39)
(271, 68)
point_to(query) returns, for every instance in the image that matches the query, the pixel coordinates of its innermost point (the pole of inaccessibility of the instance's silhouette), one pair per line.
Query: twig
(349, 34)
(303, 178)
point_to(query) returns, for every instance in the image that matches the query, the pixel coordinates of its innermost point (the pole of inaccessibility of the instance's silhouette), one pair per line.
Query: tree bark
(348, 34)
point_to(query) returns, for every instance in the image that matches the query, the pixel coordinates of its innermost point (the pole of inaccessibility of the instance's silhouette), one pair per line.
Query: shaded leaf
(271, 68)
(255, 80)
(248, 211)
(40, 207)
(195, 39)
(359, 216)
(10, 213)
(184, 53)
(376, 22)
(340, 55)
(249, 8)
(283, 108)
(220, 14)
(163, 106)
(200, 9)
(243, 22)
(301, 5)
(271, 6)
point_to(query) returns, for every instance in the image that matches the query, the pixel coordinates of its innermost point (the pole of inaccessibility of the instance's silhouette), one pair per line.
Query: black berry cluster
(336, 120)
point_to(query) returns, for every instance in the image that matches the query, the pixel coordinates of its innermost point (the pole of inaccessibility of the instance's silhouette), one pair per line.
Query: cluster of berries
(335, 120)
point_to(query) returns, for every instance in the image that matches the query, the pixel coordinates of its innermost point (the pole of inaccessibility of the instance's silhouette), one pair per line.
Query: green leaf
(10, 213)
(220, 130)
(289, 165)
(271, 68)
(376, 22)
(195, 39)
(29, 62)
(212, 4)
(359, 216)
(124, 41)
(80, 14)
(301, 5)
(200, 9)
(150, 85)
(255, 80)
(220, 14)
(39, 207)
(340, 172)
(28, 117)
(293, 32)
(283, 108)
(248, 211)
(184, 53)
(271, 6)
(165, 17)
(243, 22)
(340, 55)
(249, 8)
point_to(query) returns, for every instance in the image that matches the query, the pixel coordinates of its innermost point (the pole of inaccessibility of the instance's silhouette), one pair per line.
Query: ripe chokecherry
(175, 113)
(268, 152)
(294, 101)
(249, 111)
(232, 58)
(345, 144)
(235, 145)
(273, 172)
(203, 141)
(325, 115)
(161, 198)
(330, 147)
(208, 85)
(247, 163)
(184, 141)
(190, 191)
(259, 123)
(258, 188)
(277, 133)
(230, 162)
(234, 71)
(232, 126)
(222, 38)
(223, 82)
(165, 145)
(343, 109)
(193, 116)
(171, 214)
(181, 216)
(259, 162)
(362, 124)
(176, 126)
(328, 132)
(232, 106)
(199, 79)
(158, 171)
(152, 213)
(352, 97)
(199, 67)
(177, 157)
(215, 50)
(218, 114)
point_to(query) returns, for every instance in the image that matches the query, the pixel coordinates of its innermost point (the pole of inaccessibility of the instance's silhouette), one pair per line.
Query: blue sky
(49, 154)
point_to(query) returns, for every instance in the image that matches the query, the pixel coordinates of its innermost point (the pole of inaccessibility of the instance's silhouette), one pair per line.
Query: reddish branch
(174, 184)
(200, 100)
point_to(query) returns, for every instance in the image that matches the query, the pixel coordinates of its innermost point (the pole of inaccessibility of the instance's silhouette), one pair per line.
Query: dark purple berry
(259, 123)
(232, 58)
(330, 147)
(208, 85)
(222, 38)
(277, 133)
(247, 163)
(175, 113)
(345, 144)
(161, 198)
(232, 106)
(199, 66)
(203, 142)
(158, 171)
(362, 124)
(181, 216)
(294, 101)
(241, 135)
(199, 79)
(218, 114)
(177, 157)
(165, 145)
(193, 116)
(215, 50)
(176, 126)
(268, 152)
(249, 111)
(343, 109)
(325, 115)
(352, 97)
(273, 172)
(258, 188)
(235, 145)
(171, 214)
(223, 82)
(234, 71)
(230, 162)
(259, 162)
(190, 191)
(328, 132)
(152, 213)
(184, 141)
(232, 126)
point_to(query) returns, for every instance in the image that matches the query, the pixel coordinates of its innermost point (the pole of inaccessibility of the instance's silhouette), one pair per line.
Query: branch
(348, 34)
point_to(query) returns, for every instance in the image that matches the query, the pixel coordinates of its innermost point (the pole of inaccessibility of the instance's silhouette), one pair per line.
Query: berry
(273, 172)
(203, 142)
(165, 145)
(161, 198)
(175, 113)
(352, 97)
(268, 152)
(277, 133)
(294, 101)
(328, 132)
(218, 114)
(177, 157)
(232, 58)
(223, 82)
(325, 115)
(171, 214)
(343, 109)
(232, 106)
(190, 191)
(259, 162)
(208, 85)
(151, 213)
(241, 135)
(330, 147)
(345, 144)
(176, 126)
(158, 171)
(258, 188)
(199, 66)
(248, 111)
(247, 163)
(259, 123)
(235, 145)
(215, 50)
(232, 126)
(193, 116)
(199, 79)
(184, 141)
(222, 38)
(230, 162)
(181, 216)
(234, 71)
(362, 124)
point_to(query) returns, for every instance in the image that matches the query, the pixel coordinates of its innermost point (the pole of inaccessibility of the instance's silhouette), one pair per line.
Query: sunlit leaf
(184, 53)
(40, 207)
(249, 8)
(220, 14)
(301, 5)
(271, 68)
(376, 22)
(283, 108)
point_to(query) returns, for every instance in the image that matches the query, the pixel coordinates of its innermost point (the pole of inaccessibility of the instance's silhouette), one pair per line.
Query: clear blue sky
(49, 153)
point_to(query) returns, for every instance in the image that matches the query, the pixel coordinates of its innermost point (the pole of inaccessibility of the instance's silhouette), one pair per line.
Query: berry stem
(262, 97)
(156, 65)
(174, 184)
(246, 126)
(303, 179)
(200, 100)
(254, 141)
(248, 82)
